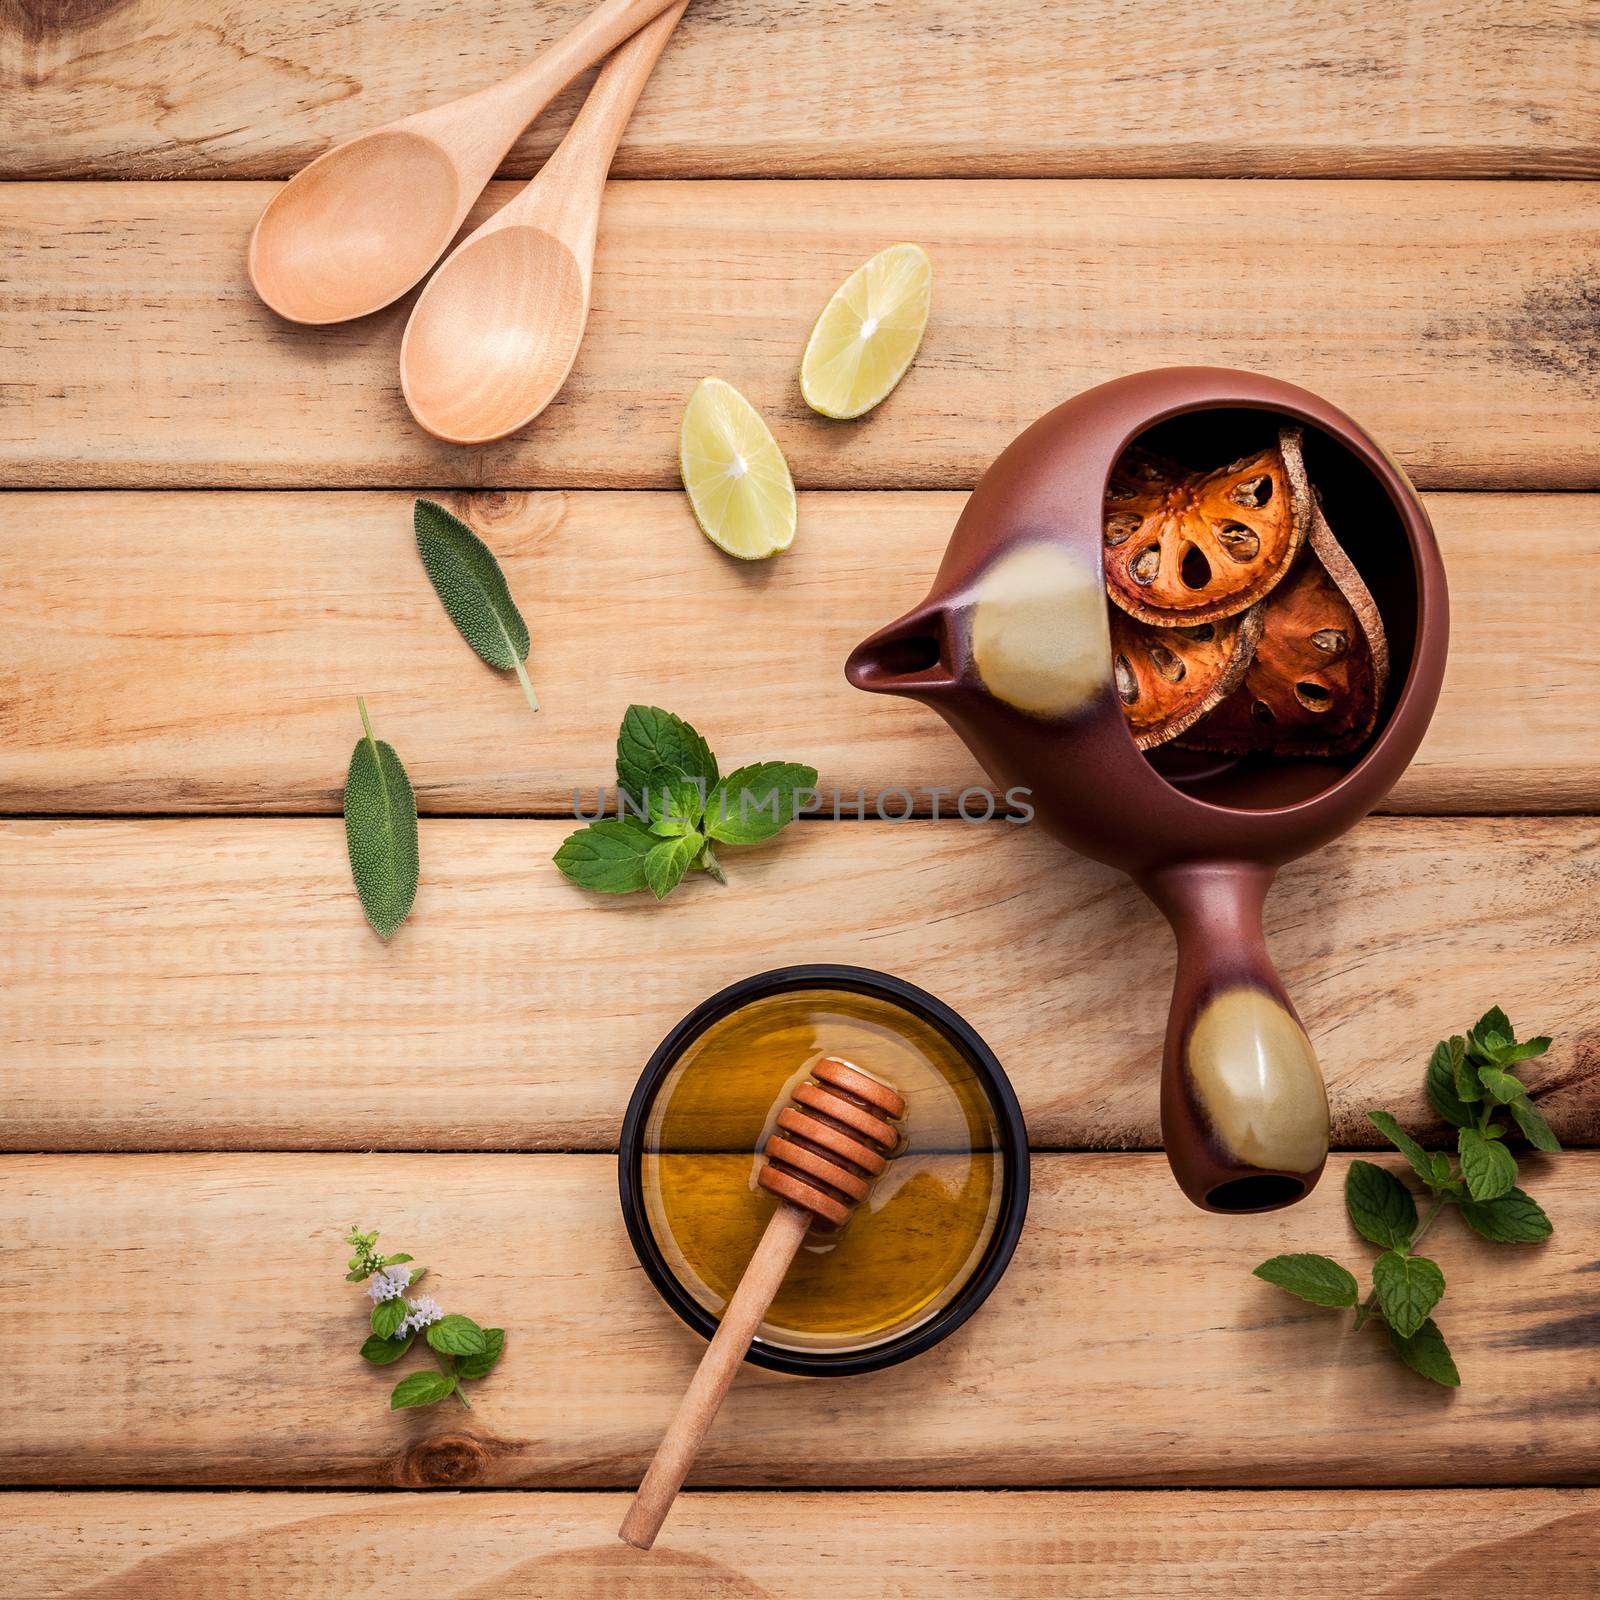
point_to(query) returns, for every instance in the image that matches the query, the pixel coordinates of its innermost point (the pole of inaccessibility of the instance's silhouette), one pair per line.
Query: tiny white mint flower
(424, 1311)
(389, 1284)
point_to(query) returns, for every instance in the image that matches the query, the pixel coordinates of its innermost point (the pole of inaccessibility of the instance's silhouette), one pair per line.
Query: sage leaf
(1408, 1288)
(380, 831)
(1489, 1168)
(608, 855)
(1318, 1279)
(753, 803)
(1380, 1205)
(651, 739)
(1441, 1082)
(494, 1341)
(1513, 1218)
(387, 1316)
(457, 1336)
(1501, 1086)
(1421, 1161)
(382, 1352)
(421, 1389)
(472, 589)
(1535, 1129)
(1427, 1353)
(666, 864)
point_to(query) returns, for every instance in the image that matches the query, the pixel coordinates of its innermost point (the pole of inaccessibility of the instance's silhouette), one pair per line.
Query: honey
(922, 1232)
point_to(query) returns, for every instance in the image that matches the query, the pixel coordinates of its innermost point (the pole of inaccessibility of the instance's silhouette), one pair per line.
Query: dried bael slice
(1189, 547)
(1320, 670)
(1168, 678)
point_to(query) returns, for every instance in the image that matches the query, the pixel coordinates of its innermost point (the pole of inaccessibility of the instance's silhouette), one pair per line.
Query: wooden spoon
(829, 1147)
(358, 227)
(495, 333)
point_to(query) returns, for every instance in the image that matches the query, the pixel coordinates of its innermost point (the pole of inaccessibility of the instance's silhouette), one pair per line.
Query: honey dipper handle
(714, 1376)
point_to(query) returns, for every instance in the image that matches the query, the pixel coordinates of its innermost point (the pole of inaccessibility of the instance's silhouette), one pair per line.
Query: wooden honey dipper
(831, 1142)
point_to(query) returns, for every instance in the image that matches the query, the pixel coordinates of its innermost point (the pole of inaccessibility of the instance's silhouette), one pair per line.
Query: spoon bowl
(362, 224)
(494, 335)
(327, 248)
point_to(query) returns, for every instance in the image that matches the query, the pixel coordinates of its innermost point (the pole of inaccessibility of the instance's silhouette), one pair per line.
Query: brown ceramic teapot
(1012, 648)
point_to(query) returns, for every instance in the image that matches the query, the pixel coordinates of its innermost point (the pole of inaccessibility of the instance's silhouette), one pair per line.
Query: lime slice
(868, 333)
(734, 474)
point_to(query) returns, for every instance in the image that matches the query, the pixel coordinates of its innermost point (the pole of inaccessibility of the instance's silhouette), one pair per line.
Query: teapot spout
(909, 657)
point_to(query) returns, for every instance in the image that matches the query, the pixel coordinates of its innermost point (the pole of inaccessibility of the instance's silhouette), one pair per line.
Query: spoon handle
(481, 127)
(579, 166)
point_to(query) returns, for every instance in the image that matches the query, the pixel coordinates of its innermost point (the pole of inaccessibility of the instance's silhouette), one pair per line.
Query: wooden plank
(109, 601)
(211, 983)
(1128, 1344)
(135, 353)
(840, 88)
(1484, 1544)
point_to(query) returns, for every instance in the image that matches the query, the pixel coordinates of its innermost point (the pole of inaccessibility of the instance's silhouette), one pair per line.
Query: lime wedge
(868, 333)
(734, 474)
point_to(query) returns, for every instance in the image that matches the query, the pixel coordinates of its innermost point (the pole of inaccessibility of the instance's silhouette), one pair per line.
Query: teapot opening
(1372, 531)
(1267, 1192)
(907, 657)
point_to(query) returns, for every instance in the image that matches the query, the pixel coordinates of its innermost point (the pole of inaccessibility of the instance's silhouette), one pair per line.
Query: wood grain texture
(1475, 1544)
(1456, 321)
(156, 88)
(215, 1340)
(198, 651)
(212, 984)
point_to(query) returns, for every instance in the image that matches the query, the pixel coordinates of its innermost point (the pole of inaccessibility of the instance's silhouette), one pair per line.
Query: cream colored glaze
(1258, 1082)
(1040, 637)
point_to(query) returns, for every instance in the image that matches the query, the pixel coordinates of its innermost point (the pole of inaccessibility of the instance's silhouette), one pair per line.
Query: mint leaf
(381, 1351)
(1513, 1218)
(650, 739)
(1408, 1288)
(1426, 1352)
(1421, 1161)
(380, 830)
(421, 1389)
(607, 856)
(666, 864)
(1380, 1205)
(494, 1341)
(1318, 1279)
(1490, 1032)
(1526, 1051)
(753, 803)
(395, 1261)
(457, 1336)
(1469, 1088)
(675, 801)
(1442, 1082)
(1535, 1129)
(1500, 1085)
(1489, 1168)
(472, 589)
(387, 1316)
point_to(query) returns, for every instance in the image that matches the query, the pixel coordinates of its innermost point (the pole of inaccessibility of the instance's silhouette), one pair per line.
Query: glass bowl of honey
(917, 1258)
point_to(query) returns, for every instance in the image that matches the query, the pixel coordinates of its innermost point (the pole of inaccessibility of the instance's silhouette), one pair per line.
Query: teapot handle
(1244, 1111)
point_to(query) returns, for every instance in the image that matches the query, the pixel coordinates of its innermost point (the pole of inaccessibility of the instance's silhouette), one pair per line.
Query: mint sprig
(1470, 1084)
(674, 807)
(464, 1351)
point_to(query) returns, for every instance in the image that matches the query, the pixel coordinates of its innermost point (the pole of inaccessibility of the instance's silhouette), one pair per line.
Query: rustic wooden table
(209, 1068)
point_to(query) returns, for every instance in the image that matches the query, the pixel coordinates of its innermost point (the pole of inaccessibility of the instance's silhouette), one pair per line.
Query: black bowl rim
(1013, 1139)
